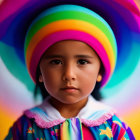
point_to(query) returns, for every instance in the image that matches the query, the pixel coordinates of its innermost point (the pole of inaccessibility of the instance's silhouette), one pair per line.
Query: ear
(40, 78)
(99, 78)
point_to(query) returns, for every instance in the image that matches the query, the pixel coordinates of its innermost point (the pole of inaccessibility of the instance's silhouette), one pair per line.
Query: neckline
(93, 113)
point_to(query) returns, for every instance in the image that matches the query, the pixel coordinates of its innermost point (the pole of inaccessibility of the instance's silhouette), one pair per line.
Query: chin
(69, 101)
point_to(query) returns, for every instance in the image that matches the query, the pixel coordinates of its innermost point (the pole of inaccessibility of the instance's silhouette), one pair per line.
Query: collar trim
(47, 116)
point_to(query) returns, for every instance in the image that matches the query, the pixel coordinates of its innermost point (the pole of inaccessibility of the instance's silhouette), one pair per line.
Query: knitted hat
(73, 22)
(111, 28)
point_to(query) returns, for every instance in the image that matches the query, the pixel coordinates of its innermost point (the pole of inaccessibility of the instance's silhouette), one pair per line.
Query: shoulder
(112, 128)
(25, 128)
(45, 115)
(19, 128)
(98, 116)
(23, 124)
(119, 128)
(95, 113)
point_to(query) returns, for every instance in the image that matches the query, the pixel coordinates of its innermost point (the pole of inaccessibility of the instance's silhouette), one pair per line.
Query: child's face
(69, 70)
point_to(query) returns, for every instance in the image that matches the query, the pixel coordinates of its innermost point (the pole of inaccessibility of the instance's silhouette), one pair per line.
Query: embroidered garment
(95, 121)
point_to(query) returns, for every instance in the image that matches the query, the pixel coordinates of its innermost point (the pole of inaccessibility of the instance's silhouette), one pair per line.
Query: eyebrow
(76, 56)
(83, 56)
(53, 56)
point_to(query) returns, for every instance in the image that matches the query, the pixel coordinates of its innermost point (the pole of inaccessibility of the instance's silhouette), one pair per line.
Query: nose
(69, 72)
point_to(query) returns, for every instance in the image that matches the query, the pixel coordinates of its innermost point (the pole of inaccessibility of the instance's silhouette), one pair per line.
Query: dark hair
(40, 88)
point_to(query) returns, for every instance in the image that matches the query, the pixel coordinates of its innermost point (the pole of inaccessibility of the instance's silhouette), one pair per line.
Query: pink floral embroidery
(56, 132)
(52, 133)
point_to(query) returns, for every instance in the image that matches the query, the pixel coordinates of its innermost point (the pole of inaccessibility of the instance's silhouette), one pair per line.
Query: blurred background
(15, 97)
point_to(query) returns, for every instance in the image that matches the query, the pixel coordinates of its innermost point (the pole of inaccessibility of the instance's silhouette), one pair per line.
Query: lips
(69, 89)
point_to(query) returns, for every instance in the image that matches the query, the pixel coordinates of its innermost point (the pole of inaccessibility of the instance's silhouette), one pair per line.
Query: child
(68, 49)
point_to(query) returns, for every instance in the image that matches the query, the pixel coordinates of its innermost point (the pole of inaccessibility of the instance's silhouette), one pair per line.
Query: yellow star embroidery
(107, 132)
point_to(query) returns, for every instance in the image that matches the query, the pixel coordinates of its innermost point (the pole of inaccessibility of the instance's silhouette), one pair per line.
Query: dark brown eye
(56, 62)
(82, 62)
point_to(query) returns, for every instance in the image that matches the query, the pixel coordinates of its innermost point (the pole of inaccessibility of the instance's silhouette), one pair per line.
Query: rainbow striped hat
(70, 22)
(110, 27)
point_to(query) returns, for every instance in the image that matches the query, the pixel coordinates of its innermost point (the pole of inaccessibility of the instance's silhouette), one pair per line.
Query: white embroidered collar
(94, 113)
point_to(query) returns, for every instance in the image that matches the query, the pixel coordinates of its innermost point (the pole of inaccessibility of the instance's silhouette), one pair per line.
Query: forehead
(70, 47)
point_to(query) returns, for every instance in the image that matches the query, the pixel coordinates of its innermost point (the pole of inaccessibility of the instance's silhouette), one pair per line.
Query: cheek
(88, 84)
(50, 79)
(88, 80)
(48, 74)
(90, 73)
